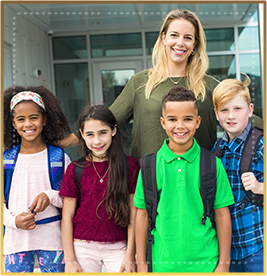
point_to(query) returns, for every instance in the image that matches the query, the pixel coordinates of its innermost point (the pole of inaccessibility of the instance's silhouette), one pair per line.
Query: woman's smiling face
(179, 41)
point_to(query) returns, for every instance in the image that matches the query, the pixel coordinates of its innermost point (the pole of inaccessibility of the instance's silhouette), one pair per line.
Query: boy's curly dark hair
(56, 123)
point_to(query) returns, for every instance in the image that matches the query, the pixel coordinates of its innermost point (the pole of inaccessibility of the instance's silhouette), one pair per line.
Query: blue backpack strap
(48, 220)
(10, 158)
(56, 165)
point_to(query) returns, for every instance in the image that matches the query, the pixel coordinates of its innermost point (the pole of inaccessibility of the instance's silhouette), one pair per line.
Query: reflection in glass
(72, 90)
(72, 47)
(222, 67)
(113, 82)
(220, 39)
(248, 38)
(151, 38)
(250, 64)
(116, 45)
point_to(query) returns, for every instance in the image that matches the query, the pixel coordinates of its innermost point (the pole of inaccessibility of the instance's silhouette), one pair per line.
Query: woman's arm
(141, 226)
(69, 207)
(224, 235)
(122, 107)
(128, 264)
(69, 141)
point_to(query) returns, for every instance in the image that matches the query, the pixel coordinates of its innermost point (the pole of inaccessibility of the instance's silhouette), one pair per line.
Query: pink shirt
(30, 178)
(86, 224)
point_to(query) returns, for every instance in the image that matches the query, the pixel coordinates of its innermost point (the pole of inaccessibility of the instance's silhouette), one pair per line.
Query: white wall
(30, 49)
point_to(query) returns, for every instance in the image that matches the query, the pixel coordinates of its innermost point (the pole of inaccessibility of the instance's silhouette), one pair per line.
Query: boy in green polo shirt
(181, 242)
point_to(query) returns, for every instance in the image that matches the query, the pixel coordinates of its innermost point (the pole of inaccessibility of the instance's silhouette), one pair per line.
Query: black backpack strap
(148, 169)
(217, 150)
(248, 154)
(78, 172)
(208, 180)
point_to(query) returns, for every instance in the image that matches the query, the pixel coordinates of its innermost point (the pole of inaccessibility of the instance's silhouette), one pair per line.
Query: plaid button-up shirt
(247, 224)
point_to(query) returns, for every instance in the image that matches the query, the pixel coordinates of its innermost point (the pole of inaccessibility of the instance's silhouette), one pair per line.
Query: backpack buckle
(244, 203)
(150, 240)
(204, 218)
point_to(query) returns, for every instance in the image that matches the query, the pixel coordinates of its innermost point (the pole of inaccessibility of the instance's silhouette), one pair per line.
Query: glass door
(109, 80)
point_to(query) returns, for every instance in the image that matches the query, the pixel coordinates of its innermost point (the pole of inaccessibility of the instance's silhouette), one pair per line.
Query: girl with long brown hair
(101, 230)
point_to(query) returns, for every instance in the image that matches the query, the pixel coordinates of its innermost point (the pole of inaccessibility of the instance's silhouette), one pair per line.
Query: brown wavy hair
(117, 196)
(56, 123)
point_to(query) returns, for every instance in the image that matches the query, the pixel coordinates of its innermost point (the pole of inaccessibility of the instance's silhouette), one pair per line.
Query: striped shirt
(247, 224)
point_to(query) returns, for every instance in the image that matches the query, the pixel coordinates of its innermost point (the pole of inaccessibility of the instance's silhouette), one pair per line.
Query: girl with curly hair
(101, 230)
(33, 124)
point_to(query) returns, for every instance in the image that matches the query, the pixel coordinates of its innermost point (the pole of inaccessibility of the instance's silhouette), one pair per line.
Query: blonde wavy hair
(227, 89)
(197, 63)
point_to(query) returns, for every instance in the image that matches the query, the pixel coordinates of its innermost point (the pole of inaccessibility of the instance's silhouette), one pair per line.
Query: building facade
(86, 53)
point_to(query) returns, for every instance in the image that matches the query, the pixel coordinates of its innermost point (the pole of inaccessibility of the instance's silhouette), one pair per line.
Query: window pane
(222, 67)
(250, 64)
(113, 82)
(116, 45)
(151, 38)
(248, 38)
(220, 39)
(8, 66)
(72, 89)
(73, 47)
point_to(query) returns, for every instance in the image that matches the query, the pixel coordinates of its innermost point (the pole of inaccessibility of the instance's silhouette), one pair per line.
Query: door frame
(98, 67)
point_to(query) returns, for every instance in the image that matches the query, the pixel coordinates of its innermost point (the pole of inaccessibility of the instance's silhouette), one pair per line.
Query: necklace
(175, 82)
(100, 178)
(100, 157)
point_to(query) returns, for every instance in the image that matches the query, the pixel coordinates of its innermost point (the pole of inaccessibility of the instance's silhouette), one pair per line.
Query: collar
(189, 156)
(242, 136)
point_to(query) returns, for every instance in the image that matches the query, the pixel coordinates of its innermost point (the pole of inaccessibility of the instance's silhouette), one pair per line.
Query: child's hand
(128, 264)
(40, 203)
(222, 267)
(72, 267)
(250, 183)
(25, 221)
(142, 267)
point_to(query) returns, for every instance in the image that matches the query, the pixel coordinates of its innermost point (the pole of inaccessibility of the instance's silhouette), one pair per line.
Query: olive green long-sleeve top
(147, 132)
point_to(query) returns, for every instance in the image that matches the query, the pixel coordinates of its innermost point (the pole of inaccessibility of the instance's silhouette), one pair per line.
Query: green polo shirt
(181, 243)
(147, 132)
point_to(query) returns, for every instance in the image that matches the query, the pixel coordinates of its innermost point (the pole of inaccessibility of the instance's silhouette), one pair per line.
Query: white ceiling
(79, 17)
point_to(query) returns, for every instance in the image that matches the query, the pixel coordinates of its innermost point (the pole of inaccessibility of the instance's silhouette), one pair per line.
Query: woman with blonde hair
(179, 58)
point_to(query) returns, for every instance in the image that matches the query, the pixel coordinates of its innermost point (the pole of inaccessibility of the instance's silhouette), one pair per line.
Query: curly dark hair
(56, 124)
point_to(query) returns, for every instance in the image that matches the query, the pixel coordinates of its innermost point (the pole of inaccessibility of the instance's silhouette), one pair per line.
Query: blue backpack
(56, 165)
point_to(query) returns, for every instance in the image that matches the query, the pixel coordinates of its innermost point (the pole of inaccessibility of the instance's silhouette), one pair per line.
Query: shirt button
(179, 170)
(179, 158)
